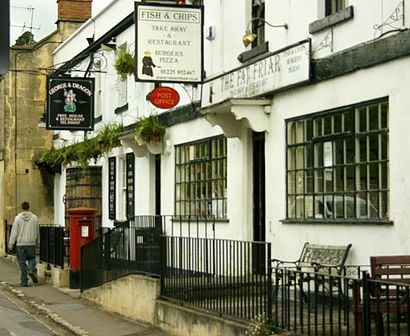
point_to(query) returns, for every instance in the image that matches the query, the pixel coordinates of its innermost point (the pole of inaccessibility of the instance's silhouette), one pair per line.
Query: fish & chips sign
(70, 103)
(169, 44)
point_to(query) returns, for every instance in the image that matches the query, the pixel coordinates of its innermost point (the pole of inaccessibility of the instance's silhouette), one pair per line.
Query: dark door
(259, 187)
(158, 184)
(259, 226)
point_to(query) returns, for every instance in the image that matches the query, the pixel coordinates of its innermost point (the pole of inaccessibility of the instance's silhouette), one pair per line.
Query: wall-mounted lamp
(249, 37)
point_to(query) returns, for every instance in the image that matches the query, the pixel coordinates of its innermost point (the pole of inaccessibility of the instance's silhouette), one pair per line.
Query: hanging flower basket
(124, 63)
(150, 130)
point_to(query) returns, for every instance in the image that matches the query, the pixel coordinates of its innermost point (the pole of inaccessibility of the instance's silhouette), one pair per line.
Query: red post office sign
(164, 97)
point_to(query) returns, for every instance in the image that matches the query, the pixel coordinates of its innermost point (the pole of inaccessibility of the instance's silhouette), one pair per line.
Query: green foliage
(262, 326)
(124, 63)
(24, 39)
(149, 129)
(81, 152)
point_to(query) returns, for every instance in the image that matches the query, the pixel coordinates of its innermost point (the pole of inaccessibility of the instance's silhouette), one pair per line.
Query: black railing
(54, 245)
(228, 277)
(310, 303)
(132, 247)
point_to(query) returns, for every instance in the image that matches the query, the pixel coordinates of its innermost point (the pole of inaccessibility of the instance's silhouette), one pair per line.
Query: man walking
(25, 233)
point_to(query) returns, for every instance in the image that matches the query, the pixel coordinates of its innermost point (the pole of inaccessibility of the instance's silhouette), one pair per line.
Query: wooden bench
(328, 258)
(386, 292)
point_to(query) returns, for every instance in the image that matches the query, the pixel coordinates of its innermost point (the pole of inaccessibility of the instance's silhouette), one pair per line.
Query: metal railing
(54, 242)
(132, 247)
(313, 303)
(228, 277)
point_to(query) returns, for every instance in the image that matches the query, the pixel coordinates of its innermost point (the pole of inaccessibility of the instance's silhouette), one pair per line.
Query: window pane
(384, 115)
(362, 119)
(291, 133)
(328, 125)
(309, 207)
(317, 127)
(361, 205)
(318, 155)
(291, 158)
(347, 121)
(291, 207)
(309, 156)
(309, 129)
(362, 149)
(337, 120)
(328, 179)
(339, 205)
(339, 153)
(384, 145)
(373, 205)
(309, 181)
(339, 178)
(299, 132)
(362, 177)
(373, 147)
(373, 117)
(384, 176)
(319, 207)
(299, 157)
(350, 150)
(299, 182)
(374, 176)
(350, 182)
(384, 201)
(318, 180)
(291, 182)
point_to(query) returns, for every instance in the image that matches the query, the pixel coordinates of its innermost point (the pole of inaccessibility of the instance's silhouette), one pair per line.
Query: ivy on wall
(106, 139)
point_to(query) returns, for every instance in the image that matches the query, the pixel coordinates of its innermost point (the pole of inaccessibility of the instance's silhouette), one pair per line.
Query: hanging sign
(169, 43)
(70, 103)
(164, 97)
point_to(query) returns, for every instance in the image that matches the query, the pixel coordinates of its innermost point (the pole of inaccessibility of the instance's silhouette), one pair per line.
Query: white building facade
(300, 136)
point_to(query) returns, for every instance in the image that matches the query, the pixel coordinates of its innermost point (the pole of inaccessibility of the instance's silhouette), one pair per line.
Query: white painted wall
(230, 18)
(377, 82)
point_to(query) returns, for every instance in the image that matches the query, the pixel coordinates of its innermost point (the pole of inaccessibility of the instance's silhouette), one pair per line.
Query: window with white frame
(333, 6)
(338, 164)
(201, 178)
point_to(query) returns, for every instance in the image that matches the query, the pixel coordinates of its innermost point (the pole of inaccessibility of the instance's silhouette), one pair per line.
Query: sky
(41, 15)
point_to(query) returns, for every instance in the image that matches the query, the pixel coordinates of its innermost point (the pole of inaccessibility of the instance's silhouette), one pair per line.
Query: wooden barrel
(84, 190)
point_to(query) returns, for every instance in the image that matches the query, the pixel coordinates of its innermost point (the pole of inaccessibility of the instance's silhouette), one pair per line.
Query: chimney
(74, 10)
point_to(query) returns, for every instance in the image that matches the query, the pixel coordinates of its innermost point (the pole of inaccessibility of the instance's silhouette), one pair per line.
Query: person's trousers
(23, 253)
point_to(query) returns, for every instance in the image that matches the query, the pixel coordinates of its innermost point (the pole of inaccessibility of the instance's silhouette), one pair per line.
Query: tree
(25, 39)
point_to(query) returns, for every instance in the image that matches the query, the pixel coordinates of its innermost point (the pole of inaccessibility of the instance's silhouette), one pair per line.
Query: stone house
(22, 106)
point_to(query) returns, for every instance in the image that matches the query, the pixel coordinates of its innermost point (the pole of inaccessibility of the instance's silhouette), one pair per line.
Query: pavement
(65, 307)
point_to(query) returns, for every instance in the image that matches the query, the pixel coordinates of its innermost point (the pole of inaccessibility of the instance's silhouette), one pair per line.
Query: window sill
(121, 109)
(254, 52)
(338, 221)
(331, 20)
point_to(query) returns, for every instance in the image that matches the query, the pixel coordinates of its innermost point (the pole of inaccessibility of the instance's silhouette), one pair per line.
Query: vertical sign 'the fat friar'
(169, 45)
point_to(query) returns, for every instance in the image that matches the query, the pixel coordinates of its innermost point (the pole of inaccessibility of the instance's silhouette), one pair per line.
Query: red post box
(82, 228)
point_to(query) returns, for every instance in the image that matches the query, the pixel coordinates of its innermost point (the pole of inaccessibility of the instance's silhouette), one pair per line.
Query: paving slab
(68, 308)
